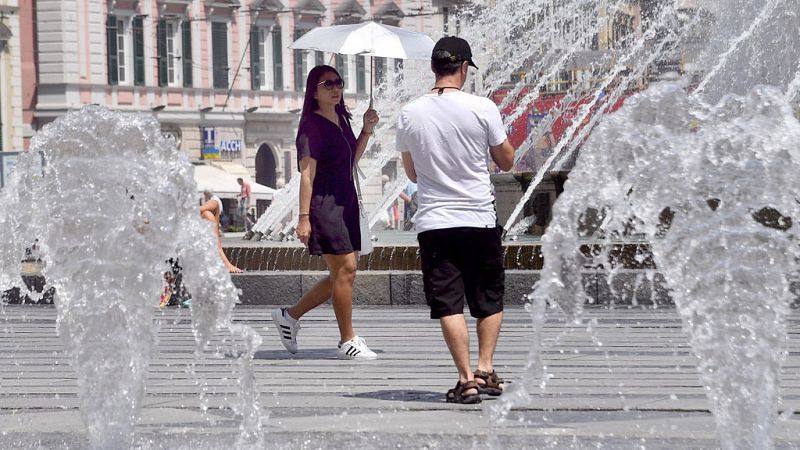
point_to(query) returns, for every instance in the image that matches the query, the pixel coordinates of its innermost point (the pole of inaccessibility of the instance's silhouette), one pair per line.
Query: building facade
(12, 128)
(217, 74)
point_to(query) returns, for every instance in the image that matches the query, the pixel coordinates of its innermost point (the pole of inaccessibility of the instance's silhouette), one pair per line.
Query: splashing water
(114, 201)
(714, 189)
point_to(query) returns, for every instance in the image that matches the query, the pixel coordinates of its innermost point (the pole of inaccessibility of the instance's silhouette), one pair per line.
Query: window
(341, 67)
(172, 53)
(361, 76)
(169, 53)
(125, 50)
(319, 58)
(256, 58)
(380, 70)
(398, 68)
(219, 53)
(122, 51)
(117, 50)
(300, 65)
(277, 60)
(264, 41)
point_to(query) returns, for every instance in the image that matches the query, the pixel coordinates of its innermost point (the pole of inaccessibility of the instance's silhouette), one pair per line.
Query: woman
(327, 151)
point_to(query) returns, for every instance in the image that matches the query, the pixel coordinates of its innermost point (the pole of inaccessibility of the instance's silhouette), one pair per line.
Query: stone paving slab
(638, 390)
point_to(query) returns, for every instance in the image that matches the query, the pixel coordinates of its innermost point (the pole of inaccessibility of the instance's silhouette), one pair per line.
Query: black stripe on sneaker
(352, 351)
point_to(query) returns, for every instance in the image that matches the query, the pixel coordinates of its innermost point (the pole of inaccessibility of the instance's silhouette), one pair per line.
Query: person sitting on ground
(211, 210)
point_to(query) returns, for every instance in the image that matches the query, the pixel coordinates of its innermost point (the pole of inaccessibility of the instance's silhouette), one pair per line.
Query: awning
(224, 185)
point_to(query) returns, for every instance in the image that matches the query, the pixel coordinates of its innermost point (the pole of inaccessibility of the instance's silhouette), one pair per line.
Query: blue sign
(209, 150)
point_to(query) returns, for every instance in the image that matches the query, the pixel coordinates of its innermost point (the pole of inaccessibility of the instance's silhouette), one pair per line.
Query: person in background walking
(244, 202)
(444, 137)
(327, 151)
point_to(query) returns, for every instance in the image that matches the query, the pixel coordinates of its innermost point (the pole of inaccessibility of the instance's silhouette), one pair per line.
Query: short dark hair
(442, 63)
(239, 179)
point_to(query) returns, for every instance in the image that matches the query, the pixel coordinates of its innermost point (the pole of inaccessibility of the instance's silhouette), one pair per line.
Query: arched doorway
(265, 166)
(265, 174)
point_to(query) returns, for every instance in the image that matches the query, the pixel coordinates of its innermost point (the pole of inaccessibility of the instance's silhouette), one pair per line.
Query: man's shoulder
(413, 104)
(478, 100)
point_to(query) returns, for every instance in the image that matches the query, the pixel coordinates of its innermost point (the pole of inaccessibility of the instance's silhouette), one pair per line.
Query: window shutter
(163, 78)
(186, 52)
(380, 69)
(277, 59)
(219, 43)
(138, 51)
(299, 64)
(255, 60)
(341, 67)
(361, 76)
(111, 37)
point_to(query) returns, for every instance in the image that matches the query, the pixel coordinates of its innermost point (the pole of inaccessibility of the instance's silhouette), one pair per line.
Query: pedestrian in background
(244, 201)
(327, 151)
(444, 137)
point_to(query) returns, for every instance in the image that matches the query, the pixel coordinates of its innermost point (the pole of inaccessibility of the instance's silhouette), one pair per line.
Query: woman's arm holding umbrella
(370, 121)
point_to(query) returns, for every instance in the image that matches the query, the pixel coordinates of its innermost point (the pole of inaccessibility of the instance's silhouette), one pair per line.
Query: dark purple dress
(334, 214)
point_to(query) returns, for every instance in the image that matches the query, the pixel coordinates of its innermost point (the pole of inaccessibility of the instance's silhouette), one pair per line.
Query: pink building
(218, 71)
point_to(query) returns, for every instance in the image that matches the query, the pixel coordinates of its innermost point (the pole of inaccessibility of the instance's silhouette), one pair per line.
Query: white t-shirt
(449, 136)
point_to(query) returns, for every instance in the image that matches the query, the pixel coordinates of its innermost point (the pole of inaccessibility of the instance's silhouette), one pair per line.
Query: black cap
(457, 48)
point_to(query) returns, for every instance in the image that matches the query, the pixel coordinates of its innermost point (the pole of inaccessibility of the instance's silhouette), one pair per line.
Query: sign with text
(230, 148)
(209, 149)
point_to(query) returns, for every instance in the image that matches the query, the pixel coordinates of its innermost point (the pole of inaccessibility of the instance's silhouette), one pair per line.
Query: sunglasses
(331, 84)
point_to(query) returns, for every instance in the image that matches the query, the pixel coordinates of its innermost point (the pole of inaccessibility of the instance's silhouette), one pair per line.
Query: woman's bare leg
(343, 275)
(317, 295)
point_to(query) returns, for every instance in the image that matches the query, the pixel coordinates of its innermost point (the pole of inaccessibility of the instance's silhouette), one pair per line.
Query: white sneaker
(286, 330)
(355, 348)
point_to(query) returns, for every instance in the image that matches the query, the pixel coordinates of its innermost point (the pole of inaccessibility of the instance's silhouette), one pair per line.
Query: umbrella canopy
(369, 39)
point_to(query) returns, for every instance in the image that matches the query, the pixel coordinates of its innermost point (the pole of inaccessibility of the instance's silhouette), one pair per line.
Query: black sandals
(458, 394)
(492, 384)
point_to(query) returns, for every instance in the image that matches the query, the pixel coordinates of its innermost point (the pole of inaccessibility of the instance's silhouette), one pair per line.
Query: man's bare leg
(488, 332)
(456, 335)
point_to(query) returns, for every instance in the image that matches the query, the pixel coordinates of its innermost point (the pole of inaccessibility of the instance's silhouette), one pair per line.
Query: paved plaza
(630, 382)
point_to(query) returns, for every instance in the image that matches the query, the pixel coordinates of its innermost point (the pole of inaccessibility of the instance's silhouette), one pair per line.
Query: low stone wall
(405, 287)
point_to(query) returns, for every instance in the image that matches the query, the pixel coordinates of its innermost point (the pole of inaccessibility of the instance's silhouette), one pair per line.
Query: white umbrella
(367, 39)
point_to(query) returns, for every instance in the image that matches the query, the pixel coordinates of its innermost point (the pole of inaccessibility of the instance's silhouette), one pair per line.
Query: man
(244, 202)
(443, 138)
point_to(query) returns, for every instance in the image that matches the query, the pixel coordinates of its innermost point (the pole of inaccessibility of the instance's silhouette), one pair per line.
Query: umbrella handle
(371, 78)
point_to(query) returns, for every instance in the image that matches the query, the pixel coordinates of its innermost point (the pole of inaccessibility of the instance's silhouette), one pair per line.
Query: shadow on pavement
(403, 395)
(310, 353)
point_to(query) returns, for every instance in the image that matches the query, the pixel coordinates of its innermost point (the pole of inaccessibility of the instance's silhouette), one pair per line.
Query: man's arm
(408, 166)
(502, 155)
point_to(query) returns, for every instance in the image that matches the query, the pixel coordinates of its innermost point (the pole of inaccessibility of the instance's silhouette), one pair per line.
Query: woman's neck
(328, 111)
